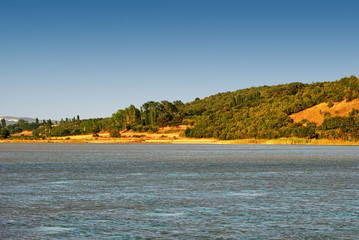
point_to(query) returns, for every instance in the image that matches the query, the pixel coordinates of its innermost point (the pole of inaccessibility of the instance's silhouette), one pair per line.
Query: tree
(48, 127)
(162, 121)
(132, 116)
(37, 121)
(78, 117)
(177, 120)
(178, 103)
(3, 123)
(118, 120)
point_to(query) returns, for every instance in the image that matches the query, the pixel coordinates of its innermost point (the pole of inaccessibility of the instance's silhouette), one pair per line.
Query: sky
(63, 58)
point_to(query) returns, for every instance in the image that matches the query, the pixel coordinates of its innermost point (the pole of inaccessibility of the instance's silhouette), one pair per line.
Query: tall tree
(48, 127)
(118, 120)
(3, 123)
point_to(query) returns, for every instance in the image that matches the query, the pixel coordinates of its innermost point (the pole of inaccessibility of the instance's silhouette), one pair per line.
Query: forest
(256, 112)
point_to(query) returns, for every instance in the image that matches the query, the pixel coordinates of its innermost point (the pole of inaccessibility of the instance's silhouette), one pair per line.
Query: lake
(164, 191)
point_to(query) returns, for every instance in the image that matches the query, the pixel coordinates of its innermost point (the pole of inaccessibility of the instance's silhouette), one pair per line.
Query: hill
(265, 112)
(12, 120)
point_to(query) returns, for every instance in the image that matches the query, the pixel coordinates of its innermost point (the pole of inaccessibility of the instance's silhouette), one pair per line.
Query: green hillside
(263, 112)
(257, 112)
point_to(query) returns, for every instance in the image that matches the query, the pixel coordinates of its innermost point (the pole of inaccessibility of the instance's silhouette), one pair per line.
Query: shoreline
(167, 135)
(183, 140)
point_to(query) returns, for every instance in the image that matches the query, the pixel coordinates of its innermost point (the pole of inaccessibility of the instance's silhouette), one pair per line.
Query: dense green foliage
(263, 112)
(149, 117)
(341, 127)
(73, 127)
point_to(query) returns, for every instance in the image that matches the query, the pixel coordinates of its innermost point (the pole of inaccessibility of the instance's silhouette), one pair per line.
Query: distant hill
(12, 120)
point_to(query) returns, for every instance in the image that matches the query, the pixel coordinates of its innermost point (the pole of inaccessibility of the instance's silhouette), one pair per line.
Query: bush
(115, 133)
(4, 133)
(187, 131)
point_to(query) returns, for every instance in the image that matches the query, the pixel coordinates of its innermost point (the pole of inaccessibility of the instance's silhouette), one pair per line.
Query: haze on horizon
(90, 58)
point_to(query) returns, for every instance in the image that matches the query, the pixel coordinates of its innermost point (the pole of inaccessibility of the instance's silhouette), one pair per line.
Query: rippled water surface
(144, 191)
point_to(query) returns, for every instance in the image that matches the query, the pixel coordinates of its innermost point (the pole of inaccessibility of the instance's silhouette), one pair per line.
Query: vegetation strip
(316, 112)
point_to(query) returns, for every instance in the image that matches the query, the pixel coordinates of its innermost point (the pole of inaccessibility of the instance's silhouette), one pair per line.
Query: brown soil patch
(316, 113)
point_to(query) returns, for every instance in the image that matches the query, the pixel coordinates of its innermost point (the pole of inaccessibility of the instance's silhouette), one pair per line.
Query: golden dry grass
(23, 133)
(316, 113)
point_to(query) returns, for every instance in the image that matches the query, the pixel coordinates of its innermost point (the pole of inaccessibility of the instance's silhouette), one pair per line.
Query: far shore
(167, 135)
(162, 139)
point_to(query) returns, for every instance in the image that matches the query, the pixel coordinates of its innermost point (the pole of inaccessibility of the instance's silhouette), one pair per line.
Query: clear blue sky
(65, 58)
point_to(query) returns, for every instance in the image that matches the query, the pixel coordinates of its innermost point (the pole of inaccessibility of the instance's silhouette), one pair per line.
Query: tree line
(149, 117)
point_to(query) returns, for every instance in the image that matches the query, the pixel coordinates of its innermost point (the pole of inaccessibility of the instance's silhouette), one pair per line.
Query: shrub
(4, 133)
(115, 133)
(187, 131)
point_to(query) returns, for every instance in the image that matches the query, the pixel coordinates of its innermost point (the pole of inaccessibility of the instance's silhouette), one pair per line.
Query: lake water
(145, 191)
